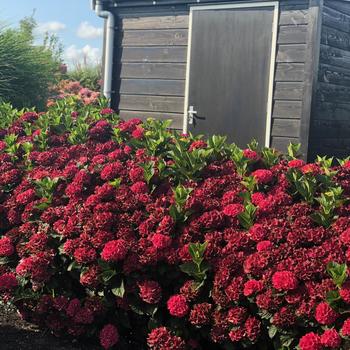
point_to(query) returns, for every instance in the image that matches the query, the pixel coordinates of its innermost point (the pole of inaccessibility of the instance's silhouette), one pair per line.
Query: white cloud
(88, 31)
(86, 55)
(51, 27)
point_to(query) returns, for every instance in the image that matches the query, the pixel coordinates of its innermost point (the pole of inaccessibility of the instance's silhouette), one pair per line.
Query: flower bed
(145, 238)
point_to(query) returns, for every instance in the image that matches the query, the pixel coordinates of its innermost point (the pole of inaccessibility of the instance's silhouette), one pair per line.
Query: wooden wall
(330, 128)
(290, 72)
(151, 64)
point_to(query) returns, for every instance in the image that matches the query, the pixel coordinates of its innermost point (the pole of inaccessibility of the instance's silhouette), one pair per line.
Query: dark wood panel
(285, 127)
(335, 38)
(333, 93)
(341, 6)
(291, 53)
(311, 67)
(153, 70)
(286, 109)
(334, 75)
(288, 91)
(155, 22)
(332, 151)
(152, 103)
(335, 57)
(282, 143)
(335, 19)
(331, 128)
(154, 54)
(176, 118)
(290, 72)
(166, 37)
(332, 111)
(292, 34)
(293, 17)
(152, 87)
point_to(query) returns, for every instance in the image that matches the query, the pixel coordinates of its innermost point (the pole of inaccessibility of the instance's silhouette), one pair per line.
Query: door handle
(190, 115)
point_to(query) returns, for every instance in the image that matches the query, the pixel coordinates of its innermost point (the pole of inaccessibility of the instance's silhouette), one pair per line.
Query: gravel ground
(16, 334)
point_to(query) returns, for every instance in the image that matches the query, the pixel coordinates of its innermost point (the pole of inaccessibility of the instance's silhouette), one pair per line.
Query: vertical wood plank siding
(290, 73)
(330, 128)
(151, 66)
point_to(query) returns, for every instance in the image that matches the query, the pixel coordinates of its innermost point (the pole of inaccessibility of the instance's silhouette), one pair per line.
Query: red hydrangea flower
(264, 246)
(325, 315)
(6, 246)
(237, 334)
(263, 176)
(136, 174)
(200, 314)
(252, 287)
(109, 336)
(161, 339)
(85, 255)
(310, 169)
(177, 306)
(345, 292)
(345, 330)
(252, 327)
(138, 133)
(252, 155)
(296, 163)
(139, 187)
(73, 307)
(26, 197)
(150, 291)
(90, 277)
(161, 241)
(345, 236)
(111, 171)
(258, 197)
(284, 280)
(310, 341)
(114, 250)
(106, 111)
(257, 232)
(233, 210)
(331, 339)
(237, 315)
(8, 281)
(197, 144)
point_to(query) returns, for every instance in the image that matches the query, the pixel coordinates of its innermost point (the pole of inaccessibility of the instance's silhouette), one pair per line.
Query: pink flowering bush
(71, 88)
(142, 238)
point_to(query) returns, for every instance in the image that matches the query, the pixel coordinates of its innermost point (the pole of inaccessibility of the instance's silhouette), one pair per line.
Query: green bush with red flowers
(144, 238)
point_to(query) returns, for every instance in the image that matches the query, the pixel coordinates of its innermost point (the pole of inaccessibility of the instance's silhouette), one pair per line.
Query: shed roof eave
(154, 3)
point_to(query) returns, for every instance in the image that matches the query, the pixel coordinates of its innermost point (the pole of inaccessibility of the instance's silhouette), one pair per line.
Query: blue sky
(78, 27)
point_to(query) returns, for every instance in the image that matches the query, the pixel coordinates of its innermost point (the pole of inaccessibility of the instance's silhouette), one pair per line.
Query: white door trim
(274, 29)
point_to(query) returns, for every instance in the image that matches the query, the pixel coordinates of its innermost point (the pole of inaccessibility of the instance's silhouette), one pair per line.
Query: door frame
(275, 5)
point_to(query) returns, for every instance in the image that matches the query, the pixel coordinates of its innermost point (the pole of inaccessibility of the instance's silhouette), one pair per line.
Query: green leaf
(332, 297)
(338, 272)
(272, 331)
(119, 291)
(73, 266)
(108, 275)
(190, 269)
(116, 182)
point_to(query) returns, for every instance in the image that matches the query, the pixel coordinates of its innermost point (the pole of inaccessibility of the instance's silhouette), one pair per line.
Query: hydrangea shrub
(144, 238)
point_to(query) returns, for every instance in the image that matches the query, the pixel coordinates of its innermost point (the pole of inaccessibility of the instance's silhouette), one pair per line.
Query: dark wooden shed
(278, 71)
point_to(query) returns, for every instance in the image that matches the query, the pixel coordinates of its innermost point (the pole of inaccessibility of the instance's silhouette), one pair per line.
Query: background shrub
(27, 70)
(88, 76)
